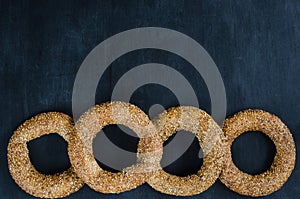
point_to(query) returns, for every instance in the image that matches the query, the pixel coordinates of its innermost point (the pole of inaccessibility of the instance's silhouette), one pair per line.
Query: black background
(255, 44)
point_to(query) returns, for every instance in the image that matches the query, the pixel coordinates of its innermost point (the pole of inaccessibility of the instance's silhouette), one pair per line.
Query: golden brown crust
(81, 153)
(211, 140)
(23, 172)
(284, 161)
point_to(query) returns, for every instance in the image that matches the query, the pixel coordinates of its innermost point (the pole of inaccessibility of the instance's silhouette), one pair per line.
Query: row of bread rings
(216, 145)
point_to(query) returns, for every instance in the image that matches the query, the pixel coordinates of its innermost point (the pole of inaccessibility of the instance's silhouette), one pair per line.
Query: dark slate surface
(255, 45)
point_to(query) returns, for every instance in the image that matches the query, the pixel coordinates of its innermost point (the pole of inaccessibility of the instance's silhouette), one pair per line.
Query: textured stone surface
(255, 45)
